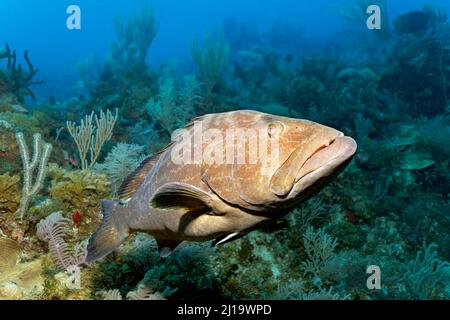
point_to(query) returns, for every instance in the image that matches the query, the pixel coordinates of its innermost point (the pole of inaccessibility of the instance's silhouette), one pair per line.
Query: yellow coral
(55, 172)
(82, 191)
(9, 150)
(9, 194)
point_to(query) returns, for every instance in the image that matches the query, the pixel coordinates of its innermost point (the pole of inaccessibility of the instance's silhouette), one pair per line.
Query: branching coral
(90, 137)
(134, 38)
(5, 124)
(41, 153)
(306, 214)
(426, 272)
(189, 94)
(172, 101)
(17, 80)
(20, 122)
(319, 247)
(212, 60)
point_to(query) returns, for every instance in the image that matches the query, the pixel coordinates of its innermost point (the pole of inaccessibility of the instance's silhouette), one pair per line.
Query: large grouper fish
(190, 199)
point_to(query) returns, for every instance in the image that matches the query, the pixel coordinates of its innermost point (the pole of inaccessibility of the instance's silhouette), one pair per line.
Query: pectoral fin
(181, 195)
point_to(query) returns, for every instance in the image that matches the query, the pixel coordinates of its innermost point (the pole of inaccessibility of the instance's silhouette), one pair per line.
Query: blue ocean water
(41, 27)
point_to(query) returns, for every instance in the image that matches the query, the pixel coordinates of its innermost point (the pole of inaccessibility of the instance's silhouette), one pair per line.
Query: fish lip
(348, 151)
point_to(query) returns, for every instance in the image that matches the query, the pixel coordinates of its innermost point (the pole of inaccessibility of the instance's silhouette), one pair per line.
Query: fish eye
(274, 129)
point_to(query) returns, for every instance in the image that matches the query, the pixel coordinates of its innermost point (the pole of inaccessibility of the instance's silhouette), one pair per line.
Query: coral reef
(389, 207)
(9, 194)
(425, 273)
(82, 192)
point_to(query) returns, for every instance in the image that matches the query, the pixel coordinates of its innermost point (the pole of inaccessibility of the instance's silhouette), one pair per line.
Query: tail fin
(111, 233)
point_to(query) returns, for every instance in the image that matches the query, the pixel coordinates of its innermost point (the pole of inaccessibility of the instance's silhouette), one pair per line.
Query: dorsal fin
(132, 182)
(196, 119)
(134, 179)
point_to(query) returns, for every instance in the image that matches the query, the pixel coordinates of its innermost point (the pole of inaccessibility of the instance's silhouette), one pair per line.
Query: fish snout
(331, 156)
(324, 164)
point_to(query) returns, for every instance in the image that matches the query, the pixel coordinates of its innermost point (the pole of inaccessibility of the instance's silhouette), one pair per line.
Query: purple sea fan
(53, 229)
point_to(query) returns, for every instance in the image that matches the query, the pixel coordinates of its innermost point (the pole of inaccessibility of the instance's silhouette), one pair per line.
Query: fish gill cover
(102, 193)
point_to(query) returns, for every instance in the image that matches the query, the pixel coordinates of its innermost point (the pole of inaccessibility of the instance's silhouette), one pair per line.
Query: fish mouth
(324, 162)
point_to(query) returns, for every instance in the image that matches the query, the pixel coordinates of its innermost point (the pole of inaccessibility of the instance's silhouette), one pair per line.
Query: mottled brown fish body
(215, 193)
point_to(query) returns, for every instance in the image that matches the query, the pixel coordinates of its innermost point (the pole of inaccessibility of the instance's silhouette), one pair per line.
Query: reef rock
(10, 291)
(24, 278)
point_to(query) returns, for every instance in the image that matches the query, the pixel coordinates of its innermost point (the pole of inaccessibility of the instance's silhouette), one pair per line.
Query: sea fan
(141, 293)
(113, 294)
(172, 101)
(319, 248)
(53, 229)
(426, 272)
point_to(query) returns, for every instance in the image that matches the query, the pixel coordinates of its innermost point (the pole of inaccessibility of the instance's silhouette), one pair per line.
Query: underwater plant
(129, 52)
(120, 162)
(170, 101)
(304, 215)
(319, 247)
(212, 60)
(90, 137)
(17, 80)
(187, 268)
(426, 272)
(323, 294)
(41, 153)
(189, 93)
